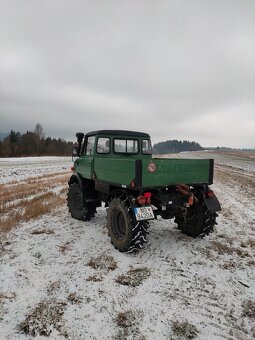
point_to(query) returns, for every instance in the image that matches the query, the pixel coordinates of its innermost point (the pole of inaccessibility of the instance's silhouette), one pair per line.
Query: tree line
(33, 143)
(174, 146)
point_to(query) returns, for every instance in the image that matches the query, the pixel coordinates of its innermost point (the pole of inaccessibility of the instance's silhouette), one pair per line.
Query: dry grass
(134, 277)
(30, 209)
(184, 330)
(248, 243)
(103, 262)
(64, 248)
(225, 174)
(74, 298)
(125, 319)
(128, 323)
(95, 278)
(30, 199)
(30, 187)
(231, 265)
(223, 248)
(44, 318)
(249, 309)
(42, 231)
(53, 286)
(9, 296)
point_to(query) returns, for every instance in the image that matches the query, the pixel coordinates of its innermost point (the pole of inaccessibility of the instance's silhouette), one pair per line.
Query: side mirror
(75, 152)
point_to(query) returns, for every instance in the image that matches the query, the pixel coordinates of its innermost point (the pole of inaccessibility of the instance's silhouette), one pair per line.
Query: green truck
(117, 167)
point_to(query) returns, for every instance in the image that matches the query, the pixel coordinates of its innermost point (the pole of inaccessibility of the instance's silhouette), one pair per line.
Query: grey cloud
(177, 69)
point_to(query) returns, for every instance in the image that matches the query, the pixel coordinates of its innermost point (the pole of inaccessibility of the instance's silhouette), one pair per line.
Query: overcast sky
(175, 69)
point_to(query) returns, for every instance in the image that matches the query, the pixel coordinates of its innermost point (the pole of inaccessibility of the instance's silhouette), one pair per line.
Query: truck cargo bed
(147, 173)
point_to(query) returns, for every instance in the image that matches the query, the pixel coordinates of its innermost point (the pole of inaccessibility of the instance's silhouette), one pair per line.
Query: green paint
(119, 168)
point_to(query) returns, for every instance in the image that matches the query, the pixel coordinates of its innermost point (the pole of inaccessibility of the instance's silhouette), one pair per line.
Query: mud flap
(212, 204)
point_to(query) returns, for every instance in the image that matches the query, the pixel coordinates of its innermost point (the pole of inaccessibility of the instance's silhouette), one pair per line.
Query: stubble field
(61, 278)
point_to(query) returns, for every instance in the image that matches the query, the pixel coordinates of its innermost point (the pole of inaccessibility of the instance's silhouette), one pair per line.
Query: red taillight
(147, 195)
(72, 168)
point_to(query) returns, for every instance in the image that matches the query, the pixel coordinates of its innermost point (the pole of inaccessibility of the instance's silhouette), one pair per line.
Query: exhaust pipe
(80, 136)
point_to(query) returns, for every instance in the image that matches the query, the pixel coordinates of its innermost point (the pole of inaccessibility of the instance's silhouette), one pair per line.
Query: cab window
(126, 146)
(146, 147)
(103, 145)
(90, 146)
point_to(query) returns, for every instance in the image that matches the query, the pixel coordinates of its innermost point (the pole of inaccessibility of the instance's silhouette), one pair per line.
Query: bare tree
(39, 131)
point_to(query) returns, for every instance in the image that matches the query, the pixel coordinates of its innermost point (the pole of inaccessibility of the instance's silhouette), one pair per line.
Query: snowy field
(61, 278)
(16, 169)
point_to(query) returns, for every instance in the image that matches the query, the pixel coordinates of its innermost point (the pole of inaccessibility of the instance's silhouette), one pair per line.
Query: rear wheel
(196, 220)
(126, 234)
(75, 202)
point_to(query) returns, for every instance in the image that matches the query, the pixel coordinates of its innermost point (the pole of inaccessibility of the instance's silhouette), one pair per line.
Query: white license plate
(144, 213)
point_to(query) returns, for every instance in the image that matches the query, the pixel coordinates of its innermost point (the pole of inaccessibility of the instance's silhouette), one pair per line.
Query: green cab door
(85, 164)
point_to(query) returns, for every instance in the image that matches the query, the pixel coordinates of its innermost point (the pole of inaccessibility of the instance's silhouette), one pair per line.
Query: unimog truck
(116, 167)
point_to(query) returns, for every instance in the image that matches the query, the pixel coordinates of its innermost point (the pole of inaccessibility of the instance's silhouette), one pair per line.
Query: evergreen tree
(175, 146)
(33, 144)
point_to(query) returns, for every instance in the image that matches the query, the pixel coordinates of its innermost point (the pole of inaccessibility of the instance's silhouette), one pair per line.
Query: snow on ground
(64, 275)
(16, 169)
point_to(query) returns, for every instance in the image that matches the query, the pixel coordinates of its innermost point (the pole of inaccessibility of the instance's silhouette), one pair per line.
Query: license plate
(144, 213)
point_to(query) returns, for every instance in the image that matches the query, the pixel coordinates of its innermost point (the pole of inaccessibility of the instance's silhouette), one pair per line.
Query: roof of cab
(119, 133)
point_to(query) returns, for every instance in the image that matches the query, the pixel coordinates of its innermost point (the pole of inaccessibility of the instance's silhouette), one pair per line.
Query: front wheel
(196, 220)
(75, 202)
(126, 234)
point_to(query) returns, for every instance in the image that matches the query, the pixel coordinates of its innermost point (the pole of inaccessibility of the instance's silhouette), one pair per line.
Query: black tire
(196, 220)
(126, 234)
(75, 203)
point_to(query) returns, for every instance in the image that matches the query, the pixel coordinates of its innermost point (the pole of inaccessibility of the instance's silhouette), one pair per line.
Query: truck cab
(109, 155)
